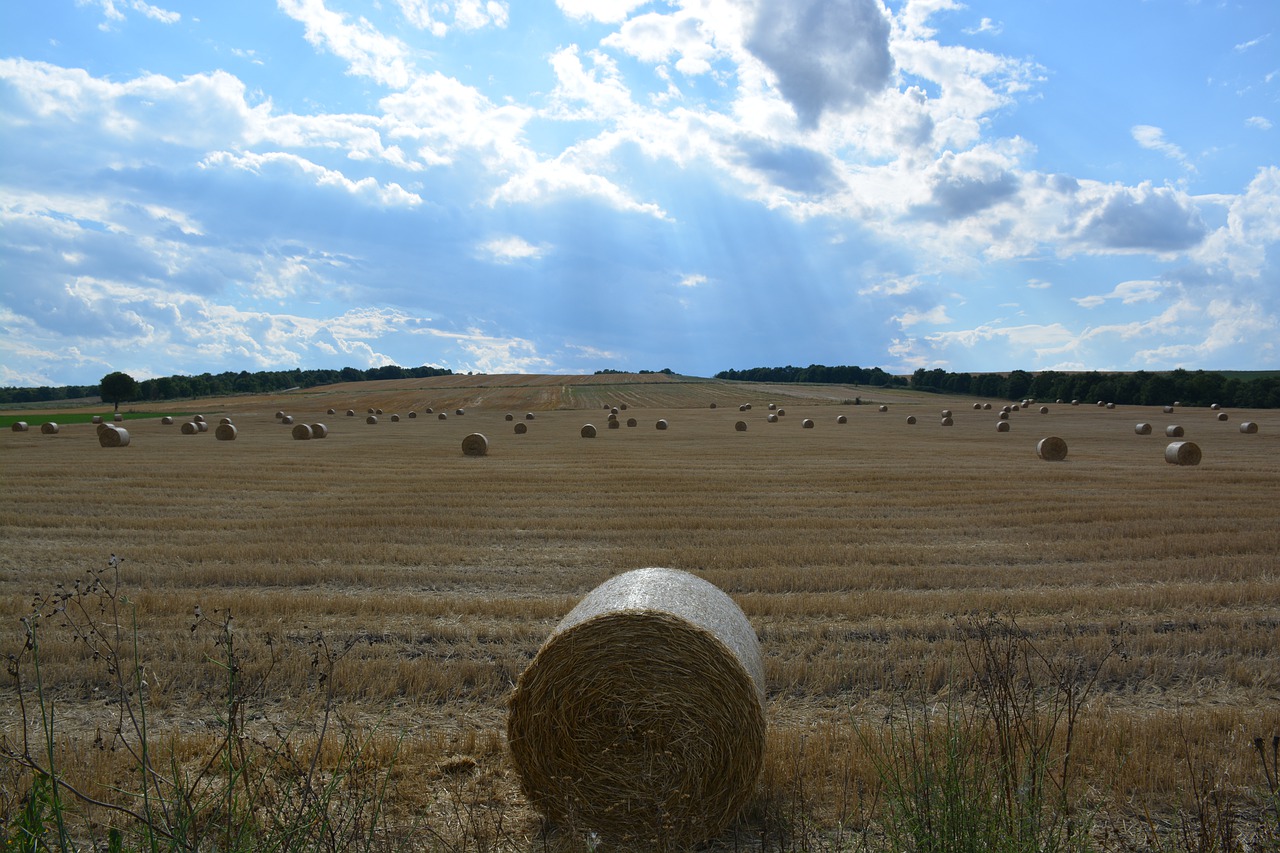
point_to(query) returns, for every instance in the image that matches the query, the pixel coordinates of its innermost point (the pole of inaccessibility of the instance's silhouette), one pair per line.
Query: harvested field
(863, 557)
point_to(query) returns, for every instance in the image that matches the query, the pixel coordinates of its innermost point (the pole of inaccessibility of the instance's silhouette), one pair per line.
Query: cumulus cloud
(367, 51)
(961, 185)
(827, 55)
(389, 195)
(1142, 218)
(1258, 122)
(1127, 292)
(935, 316)
(508, 249)
(605, 11)
(692, 280)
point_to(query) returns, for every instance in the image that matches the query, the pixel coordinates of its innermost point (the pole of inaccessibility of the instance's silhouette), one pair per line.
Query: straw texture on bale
(807, 423)
(1249, 428)
(1174, 431)
(642, 716)
(202, 426)
(1051, 449)
(1002, 426)
(782, 412)
(19, 426)
(101, 426)
(190, 428)
(662, 423)
(475, 445)
(1004, 416)
(521, 428)
(114, 437)
(911, 419)
(588, 431)
(167, 420)
(740, 426)
(302, 432)
(225, 432)
(49, 428)
(1182, 453)
(373, 419)
(1142, 429)
(948, 422)
(319, 431)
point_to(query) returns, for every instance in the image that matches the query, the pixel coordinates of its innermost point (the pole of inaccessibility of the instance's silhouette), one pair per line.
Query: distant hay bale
(279, 415)
(772, 417)
(588, 431)
(1182, 453)
(201, 426)
(475, 445)
(632, 422)
(1174, 431)
(773, 406)
(1222, 416)
(189, 428)
(49, 428)
(748, 407)
(19, 426)
(662, 423)
(167, 420)
(614, 423)
(395, 419)
(713, 405)
(113, 437)
(1142, 429)
(946, 413)
(1075, 402)
(371, 419)
(1102, 403)
(977, 406)
(1051, 449)
(1111, 405)
(369, 411)
(442, 416)
(319, 431)
(1004, 410)
(614, 411)
(198, 418)
(1015, 407)
(377, 411)
(1168, 410)
(413, 415)
(287, 420)
(782, 413)
(884, 408)
(351, 413)
(911, 419)
(1004, 416)
(118, 418)
(459, 412)
(1002, 426)
(642, 715)
(1248, 428)
(510, 416)
(331, 412)
(606, 407)
(623, 407)
(430, 411)
(948, 422)
(742, 408)
(807, 423)
(528, 416)
(740, 426)
(986, 407)
(613, 417)
(842, 419)
(97, 419)
(521, 428)
(1215, 406)
(1177, 404)
(301, 432)
(1044, 410)
(225, 432)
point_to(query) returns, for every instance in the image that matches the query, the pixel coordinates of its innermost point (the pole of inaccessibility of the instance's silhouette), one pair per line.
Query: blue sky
(569, 185)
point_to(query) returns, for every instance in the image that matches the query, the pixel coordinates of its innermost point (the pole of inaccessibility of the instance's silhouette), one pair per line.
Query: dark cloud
(827, 54)
(791, 167)
(956, 194)
(1143, 218)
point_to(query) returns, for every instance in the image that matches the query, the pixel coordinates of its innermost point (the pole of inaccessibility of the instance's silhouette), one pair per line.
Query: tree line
(212, 384)
(1140, 388)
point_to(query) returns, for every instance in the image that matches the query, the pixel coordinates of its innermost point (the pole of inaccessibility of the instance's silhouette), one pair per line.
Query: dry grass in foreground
(376, 593)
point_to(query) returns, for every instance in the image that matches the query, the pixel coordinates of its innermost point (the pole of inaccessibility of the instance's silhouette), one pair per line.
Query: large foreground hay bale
(475, 445)
(1182, 453)
(49, 428)
(642, 716)
(1249, 428)
(1051, 449)
(301, 432)
(1142, 429)
(113, 437)
(588, 431)
(225, 432)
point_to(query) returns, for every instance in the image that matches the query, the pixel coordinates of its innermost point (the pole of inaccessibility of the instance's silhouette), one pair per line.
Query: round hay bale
(1051, 449)
(224, 420)
(510, 416)
(475, 445)
(977, 406)
(430, 411)
(287, 420)
(189, 428)
(1177, 404)
(442, 416)
(773, 417)
(1044, 410)
(19, 426)
(167, 420)
(662, 423)
(613, 417)
(377, 411)
(623, 407)
(118, 418)
(740, 426)
(319, 431)
(413, 415)
(986, 407)
(1142, 429)
(911, 419)
(1015, 407)
(1101, 403)
(606, 407)
(459, 412)
(101, 426)
(1249, 428)
(1174, 431)
(773, 406)
(1075, 402)
(1111, 405)
(97, 419)
(782, 413)
(1182, 453)
(632, 422)
(748, 407)
(49, 428)
(302, 432)
(1004, 410)
(1222, 416)
(588, 431)
(807, 423)
(528, 416)
(842, 419)
(1168, 410)
(946, 413)
(884, 408)
(614, 423)
(742, 408)
(202, 426)
(395, 419)
(1215, 406)
(713, 405)
(351, 413)
(113, 436)
(948, 422)
(614, 411)
(371, 419)
(522, 428)
(225, 432)
(198, 418)
(330, 412)
(1004, 416)
(279, 415)
(369, 411)
(1002, 426)
(642, 716)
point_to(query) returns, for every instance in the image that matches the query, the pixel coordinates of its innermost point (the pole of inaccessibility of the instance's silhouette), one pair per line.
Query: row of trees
(841, 375)
(119, 387)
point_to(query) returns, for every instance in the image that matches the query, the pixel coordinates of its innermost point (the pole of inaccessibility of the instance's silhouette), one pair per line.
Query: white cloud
(598, 94)
(1152, 138)
(935, 316)
(604, 11)
(507, 249)
(1258, 122)
(1128, 292)
(692, 280)
(388, 195)
(366, 50)
(986, 25)
(1037, 284)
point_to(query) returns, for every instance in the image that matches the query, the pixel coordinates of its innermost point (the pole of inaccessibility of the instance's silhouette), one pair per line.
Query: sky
(565, 186)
